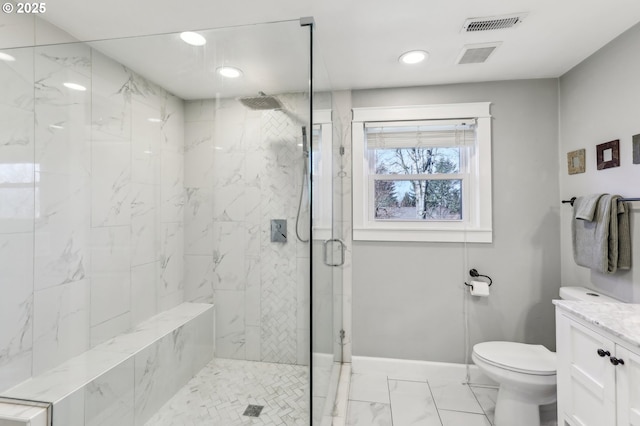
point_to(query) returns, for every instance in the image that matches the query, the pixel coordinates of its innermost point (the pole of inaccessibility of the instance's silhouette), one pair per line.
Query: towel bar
(619, 199)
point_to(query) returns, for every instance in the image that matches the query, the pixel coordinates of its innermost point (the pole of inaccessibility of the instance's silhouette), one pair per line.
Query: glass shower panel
(242, 168)
(144, 182)
(327, 250)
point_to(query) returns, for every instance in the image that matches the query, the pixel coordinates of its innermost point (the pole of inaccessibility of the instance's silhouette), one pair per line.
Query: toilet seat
(518, 357)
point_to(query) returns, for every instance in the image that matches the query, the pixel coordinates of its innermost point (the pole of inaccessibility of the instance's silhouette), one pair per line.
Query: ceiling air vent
(473, 25)
(476, 53)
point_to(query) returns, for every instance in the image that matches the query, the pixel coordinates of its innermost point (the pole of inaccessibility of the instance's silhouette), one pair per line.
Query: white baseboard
(418, 370)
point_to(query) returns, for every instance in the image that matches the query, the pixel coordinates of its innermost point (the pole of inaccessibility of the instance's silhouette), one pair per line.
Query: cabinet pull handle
(616, 361)
(603, 353)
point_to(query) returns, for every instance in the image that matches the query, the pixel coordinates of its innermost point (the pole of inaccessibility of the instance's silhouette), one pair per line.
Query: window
(422, 173)
(321, 172)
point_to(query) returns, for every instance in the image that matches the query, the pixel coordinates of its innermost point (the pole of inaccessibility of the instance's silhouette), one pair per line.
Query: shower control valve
(278, 230)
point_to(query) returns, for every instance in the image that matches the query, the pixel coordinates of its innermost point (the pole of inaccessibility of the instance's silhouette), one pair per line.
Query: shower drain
(253, 410)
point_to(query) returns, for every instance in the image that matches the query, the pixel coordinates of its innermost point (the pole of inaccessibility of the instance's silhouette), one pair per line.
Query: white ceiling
(359, 41)
(273, 57)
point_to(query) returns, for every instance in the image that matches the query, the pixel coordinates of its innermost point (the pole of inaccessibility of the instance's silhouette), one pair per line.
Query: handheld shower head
(305, 144)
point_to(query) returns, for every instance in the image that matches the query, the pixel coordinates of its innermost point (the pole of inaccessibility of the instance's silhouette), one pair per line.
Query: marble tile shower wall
(243, 168)
(91, 216)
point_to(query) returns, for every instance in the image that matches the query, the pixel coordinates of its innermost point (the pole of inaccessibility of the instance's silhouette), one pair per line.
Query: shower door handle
(326, 257)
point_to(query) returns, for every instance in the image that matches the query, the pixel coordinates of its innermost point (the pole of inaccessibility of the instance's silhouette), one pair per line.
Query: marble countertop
(619, 319)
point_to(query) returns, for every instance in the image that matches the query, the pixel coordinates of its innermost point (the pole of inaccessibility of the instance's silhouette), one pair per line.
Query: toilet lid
(520, 357)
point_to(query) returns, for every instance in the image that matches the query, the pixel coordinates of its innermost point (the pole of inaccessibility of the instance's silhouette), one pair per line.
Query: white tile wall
(91, 223)
(198, 275)
(61, 324)
(109, 399)
(230, 324)
(198, 220)
(242, 169)
(16, 286)
(144, 290)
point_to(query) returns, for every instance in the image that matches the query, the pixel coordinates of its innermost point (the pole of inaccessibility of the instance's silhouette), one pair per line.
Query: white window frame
(476, 225)
(322, 193)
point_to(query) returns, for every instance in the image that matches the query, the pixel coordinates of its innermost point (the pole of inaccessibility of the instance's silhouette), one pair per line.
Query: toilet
(526, 373)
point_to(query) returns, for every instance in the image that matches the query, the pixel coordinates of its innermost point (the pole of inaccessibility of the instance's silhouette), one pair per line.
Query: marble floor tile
(487, 398)
(414, 401)
(459, 418)
(412, 404)
(454, 396)
(369, 388)
(363, 413)
(219, 394)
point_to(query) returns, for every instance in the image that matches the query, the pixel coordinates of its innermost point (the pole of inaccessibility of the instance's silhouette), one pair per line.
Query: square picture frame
(575, 161)
(608, 155)
(635, 141)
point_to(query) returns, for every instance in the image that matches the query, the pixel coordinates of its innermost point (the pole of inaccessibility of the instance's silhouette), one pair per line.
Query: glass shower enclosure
(145, 174)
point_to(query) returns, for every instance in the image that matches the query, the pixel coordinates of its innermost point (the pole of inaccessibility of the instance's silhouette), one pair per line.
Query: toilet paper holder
(474, 273)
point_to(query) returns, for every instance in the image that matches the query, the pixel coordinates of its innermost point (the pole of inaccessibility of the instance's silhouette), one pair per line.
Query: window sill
(420, 235)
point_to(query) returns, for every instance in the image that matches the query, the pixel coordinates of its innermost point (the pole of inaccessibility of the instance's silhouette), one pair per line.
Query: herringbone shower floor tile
(219, 394)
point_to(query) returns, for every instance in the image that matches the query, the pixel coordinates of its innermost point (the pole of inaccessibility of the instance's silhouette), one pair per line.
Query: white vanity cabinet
(598, 374)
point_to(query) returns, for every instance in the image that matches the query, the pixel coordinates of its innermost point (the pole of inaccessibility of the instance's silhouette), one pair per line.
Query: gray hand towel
(624, 235)
(585, 207)
(603, 242)
(591, 237)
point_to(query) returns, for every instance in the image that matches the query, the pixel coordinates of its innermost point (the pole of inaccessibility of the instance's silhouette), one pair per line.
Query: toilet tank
(585, 295)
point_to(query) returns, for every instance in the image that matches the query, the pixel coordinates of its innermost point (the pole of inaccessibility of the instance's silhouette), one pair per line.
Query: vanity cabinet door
(586, 379)
(628, 387)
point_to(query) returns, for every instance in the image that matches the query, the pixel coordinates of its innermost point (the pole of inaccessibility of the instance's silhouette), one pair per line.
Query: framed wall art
(608, 154)
(635, 140)
(575, 161)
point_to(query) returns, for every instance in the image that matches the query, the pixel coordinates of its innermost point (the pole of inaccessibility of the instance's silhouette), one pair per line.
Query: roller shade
(409, 134)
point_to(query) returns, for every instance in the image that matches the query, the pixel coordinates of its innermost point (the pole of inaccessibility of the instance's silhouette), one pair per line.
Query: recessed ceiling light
(154, 120)
(74, 86)
(193, 39)
(413, 57)
(56, 126)
(6, 57)
(229, 72)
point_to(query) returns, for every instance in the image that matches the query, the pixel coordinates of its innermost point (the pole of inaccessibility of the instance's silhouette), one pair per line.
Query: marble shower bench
(126, 379)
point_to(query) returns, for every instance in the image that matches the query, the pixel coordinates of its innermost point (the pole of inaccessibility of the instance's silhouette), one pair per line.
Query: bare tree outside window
(418, 199)
(385, 193)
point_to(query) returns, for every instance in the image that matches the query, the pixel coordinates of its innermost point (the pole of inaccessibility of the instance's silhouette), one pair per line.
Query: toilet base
(514, 408)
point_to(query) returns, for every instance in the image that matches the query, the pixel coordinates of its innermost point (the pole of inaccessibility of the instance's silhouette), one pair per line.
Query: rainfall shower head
(262, 102)
(266, 103)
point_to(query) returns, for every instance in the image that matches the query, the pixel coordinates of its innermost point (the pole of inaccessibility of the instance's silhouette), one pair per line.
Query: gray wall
(599, 102)
(408, 297)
